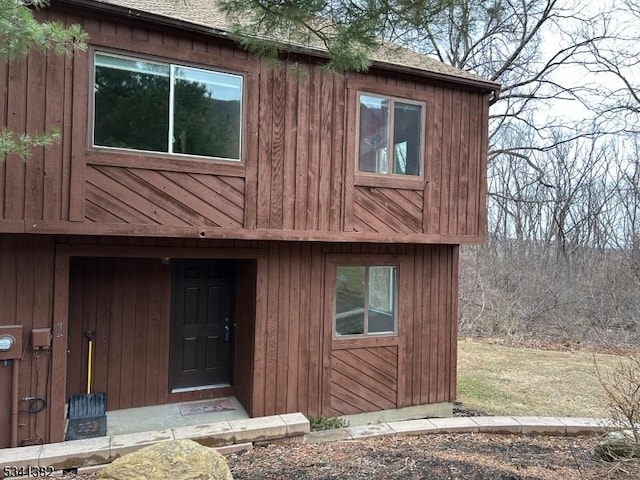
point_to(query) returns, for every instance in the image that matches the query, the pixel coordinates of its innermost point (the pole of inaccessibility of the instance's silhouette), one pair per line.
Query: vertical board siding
(245, 332)
(313, 193)
(305, 370)
(126, 303)
(26, 292)
(275, 158)
(79, 125)
(290, 171)
(15, 182)
(302, 150)
(36, 113)
(4, 94)
(338, 165)
(55, 94)
(263, 185)
(456, 189)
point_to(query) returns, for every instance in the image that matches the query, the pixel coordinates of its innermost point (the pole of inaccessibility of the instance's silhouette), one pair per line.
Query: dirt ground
(451, 457)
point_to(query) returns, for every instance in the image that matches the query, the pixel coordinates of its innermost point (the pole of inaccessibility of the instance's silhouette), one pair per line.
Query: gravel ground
(451, 457)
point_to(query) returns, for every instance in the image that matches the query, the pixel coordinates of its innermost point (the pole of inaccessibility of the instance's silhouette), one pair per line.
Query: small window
(158, 107)
(365, 300)
(390, 135)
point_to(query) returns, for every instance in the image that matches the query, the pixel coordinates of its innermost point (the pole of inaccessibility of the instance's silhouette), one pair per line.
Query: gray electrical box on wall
(10, 342)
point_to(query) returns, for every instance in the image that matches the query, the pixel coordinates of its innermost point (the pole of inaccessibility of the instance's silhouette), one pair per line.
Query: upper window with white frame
(365, 300)
(390, 135)
(161, 107)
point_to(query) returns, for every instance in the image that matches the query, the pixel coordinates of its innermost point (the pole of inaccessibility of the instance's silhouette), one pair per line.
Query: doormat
(206, 406)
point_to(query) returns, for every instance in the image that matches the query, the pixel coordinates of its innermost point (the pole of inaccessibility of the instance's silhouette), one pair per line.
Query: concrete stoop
(238, 435)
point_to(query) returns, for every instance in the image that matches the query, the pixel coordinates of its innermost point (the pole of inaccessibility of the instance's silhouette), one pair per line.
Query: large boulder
(174, 459)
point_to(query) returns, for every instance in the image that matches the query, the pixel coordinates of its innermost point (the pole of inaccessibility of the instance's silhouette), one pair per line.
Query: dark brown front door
(201, 322)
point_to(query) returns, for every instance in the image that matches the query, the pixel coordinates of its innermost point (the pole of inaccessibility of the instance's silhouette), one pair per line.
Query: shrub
(621, 390)
(326, 423)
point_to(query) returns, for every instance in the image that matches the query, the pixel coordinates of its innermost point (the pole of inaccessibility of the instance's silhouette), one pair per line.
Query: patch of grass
(326, 423)
(479, 388)
(523, 381)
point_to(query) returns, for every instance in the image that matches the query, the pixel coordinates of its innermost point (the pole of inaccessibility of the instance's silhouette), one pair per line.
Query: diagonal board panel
(388, 210)
(139, 196)
(363, 380)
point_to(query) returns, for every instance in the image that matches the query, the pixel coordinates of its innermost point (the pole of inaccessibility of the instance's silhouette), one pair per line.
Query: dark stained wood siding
(313, 373)
(451, 199)
(141, 196)
(286, 358)
(126, 303)
(298, 169)
(26, 291)
(246, 274)
(388, 210)
(364, 380)
(300, 159)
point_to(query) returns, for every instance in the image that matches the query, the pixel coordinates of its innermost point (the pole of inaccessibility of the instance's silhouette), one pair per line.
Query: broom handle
(89, 366)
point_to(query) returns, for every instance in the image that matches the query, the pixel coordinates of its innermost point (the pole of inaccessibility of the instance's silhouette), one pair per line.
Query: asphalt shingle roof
(204, 15)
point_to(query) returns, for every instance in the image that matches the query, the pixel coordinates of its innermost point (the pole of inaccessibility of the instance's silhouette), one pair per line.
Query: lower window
(366, 300)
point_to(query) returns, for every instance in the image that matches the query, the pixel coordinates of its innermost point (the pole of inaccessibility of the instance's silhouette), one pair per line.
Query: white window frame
(170, 133)
(393, 301)
(390, 150)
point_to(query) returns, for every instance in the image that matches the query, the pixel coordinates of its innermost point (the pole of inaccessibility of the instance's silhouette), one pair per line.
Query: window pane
(407, 130)
(350, 300)
(374, 134)
(381, 299)
(131, 104)
(207, 108)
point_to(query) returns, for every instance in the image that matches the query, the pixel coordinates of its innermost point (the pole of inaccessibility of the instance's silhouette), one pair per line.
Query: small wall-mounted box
(10, 342)
(41, 338)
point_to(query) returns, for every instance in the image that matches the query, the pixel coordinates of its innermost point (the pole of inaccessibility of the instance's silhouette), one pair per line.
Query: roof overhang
(486, 86)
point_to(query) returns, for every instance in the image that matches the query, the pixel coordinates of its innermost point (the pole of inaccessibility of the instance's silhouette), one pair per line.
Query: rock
(174, 459)
(617, 445)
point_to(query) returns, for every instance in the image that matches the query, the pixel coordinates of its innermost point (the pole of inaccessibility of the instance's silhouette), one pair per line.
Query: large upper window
(390, 135)
(365, 300)
(159, 107)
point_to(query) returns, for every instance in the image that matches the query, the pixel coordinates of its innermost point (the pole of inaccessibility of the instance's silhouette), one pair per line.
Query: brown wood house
(225, 226)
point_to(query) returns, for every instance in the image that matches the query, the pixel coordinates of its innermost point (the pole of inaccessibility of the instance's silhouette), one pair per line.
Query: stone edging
(238, 435)
(508, 425)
